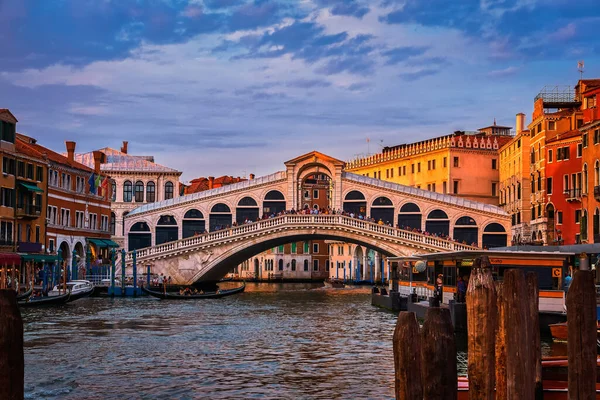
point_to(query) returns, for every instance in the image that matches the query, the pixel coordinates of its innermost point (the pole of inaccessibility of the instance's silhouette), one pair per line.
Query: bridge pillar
(366, 275)
(378, 270)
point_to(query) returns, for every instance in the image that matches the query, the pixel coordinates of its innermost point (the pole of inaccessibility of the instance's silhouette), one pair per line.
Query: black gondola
(24, 296)
(45, 301)
(211, 295)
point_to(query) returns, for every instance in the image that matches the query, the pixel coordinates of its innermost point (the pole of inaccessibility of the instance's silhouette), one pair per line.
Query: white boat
(78, 289)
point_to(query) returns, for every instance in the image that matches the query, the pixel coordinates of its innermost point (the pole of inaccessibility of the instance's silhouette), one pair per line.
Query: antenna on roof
(580, 65)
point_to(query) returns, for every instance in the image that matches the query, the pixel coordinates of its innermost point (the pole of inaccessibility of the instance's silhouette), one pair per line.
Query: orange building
(77, 214)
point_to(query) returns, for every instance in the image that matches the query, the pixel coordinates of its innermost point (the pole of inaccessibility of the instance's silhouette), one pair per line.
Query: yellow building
(464, 164)
(515, 187)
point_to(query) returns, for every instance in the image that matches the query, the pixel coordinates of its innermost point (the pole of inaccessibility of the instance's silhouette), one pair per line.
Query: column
(378, 271)
(366, 268)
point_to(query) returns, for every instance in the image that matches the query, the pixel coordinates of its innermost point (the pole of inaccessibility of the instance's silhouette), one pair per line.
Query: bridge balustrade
(303, 221)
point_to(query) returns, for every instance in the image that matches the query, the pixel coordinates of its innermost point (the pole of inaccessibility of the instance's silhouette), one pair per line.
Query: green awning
(103, 242)
(39, 258)
(31, 187)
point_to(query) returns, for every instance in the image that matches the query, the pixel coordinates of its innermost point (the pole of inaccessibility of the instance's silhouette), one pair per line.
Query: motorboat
(78, 289)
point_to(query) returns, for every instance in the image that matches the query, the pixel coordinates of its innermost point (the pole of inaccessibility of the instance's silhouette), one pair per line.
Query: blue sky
(216, 87)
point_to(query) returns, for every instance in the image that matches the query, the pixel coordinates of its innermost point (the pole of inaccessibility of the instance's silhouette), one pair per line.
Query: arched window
(127, 191)
(113, 222)
(280, 264)
(150, 192)
(597, 173)
(584, 189)
(305, 265)
(168, 190)
(410, 207)
(293, 265)
(113, 193)
(139, 192)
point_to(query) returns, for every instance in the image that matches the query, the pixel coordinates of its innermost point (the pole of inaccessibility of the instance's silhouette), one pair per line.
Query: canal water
(275, 341)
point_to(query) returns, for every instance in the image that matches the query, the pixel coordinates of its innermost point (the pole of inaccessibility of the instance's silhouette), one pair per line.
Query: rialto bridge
(195, 238)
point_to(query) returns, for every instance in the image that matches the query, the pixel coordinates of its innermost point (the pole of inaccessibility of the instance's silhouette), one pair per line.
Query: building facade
(8, 124)
(515, 187)
(464, 164)
(135, 180)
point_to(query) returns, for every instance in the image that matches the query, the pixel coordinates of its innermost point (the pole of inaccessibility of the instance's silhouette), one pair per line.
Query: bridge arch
(437, 222)
(355, 202)
(220, 216)
(382, 208)
(312, 168)
(193, 223)
(410, 216)
(466, 230)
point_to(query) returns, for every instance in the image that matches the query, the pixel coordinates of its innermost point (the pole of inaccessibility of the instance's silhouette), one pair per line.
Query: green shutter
(293, 248)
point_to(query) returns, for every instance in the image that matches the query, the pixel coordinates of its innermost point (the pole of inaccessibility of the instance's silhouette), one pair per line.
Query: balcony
(573, 194)
(28, 210)
(597, 193)
(29, 247)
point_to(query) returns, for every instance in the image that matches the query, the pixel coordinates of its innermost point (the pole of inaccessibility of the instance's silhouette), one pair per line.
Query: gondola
(211, 295)
(24, 296)
(45, 301)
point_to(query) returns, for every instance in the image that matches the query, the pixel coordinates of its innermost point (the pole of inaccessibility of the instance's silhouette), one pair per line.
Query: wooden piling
(407, 357)
(12, 370)
(533, 326)
(438, 356)
(519, 373)
(481, 326)
(581, 343)
(501, 344)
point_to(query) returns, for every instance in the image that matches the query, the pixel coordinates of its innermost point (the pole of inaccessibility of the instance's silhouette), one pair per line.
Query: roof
(6, 110)
(589, 83)
(30, 147)
(458, 201)
(314, 154)
(202, 183)
(117, 161)
(536, 253)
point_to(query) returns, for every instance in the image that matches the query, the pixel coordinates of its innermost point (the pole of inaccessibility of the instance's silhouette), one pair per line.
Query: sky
(233, 87)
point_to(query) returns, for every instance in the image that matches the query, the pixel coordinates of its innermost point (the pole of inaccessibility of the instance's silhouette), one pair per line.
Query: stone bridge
(168, 235)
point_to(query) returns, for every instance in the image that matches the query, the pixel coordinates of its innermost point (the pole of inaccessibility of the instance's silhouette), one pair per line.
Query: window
(8, 165)
(6, 232)
(30, 171)
(579, 150)
(404, 170)
(532, 156)
(494, 163)
(494, 184)
(327, 265)
(139, 192)
(550, 155)
(280, 264)
(51, 245)
(280, 249)
(305, 265)
(315, 265)
(104, 223)
(7, 131)
(551, 125)
(315, 194)
(456, 161)
(113, 193)
(306, 248)
(597, 136)
(577, 216)
(39, 174)
(559, 217)
(418, 167)
(20, 168)
(294, 248)
(113, 223)
(455, 187)
(168, 190)
(293, 265)
(584, 140)
(549, 185)
(37, 233)
(445, 162)
(127, 191)
(444, 187)
(412, 168)
(428, 165)
(7, 197)
(315, 248)
(391, 172)
(566, 183)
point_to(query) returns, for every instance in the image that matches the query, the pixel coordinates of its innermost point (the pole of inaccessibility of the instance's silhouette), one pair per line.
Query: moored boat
(560, 332)
(45, 300)
(78, 289)
(334, 283)
(24, 296)
(209, 295)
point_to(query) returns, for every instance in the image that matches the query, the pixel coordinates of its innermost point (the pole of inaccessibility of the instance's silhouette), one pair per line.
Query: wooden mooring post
(481, 325)
(533, 330)
(12, 365)
(581, 342)
(500, 343)
(407, 357)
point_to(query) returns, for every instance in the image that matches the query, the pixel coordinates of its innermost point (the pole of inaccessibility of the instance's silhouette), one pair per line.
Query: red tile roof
(201, 184)
(28, 146)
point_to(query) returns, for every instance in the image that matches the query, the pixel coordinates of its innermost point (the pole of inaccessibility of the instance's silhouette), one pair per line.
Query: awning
(50, 258)
(10, 259)
(31, 187)
(103, 242)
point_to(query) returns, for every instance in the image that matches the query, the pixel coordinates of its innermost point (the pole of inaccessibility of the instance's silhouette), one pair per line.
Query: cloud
(308, 83)
(399, 54)
(413, 76)
(499, 73)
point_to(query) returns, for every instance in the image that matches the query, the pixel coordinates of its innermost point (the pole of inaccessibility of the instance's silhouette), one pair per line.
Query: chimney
(70, 150)
(211, 182)
(251, 176)
(98, 156)
(124, 147)
(520, 122)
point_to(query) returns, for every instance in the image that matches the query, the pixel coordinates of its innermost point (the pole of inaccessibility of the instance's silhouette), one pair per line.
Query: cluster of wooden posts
(504, 354)
(13, 272)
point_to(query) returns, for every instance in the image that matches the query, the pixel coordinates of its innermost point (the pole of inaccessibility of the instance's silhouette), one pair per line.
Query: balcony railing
(29, 210)
(573, 194)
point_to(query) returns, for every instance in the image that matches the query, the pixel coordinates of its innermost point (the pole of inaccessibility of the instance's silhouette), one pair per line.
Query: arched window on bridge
(494, 235)
(139, 236)
(166, 229)
(409, 216)
(247, 209)
(383, 209)
(280, 264)
(193, 223)
(274, 202)
(437, 222)
(465, 230)
(220, 217)
(355, 202)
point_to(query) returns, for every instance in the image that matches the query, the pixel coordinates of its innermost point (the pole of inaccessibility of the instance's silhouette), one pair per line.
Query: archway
(274, 203)
(220, 217)
(465, 230)
(139, 236)
(409, 217)
(494, 235)
(355, 202)
(79, 259)
(166, 229)
(438, 223)
(383, 209)
(315, 191)
(193, 223)
(247, 209)
(65, 252)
